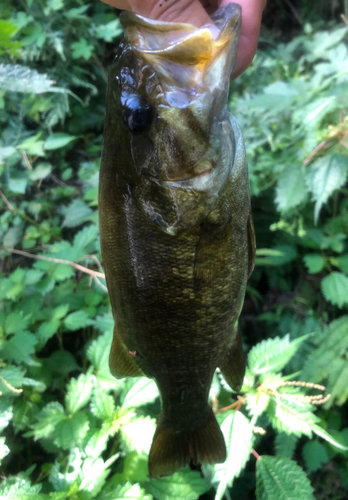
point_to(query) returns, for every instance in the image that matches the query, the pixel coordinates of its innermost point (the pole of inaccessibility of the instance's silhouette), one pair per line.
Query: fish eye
(137, 114)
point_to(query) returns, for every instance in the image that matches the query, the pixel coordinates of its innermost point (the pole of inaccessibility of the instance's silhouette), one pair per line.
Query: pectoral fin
(233, 364)
(121, 361)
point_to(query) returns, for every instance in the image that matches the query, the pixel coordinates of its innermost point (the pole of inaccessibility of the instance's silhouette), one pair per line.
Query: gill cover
(190, 146)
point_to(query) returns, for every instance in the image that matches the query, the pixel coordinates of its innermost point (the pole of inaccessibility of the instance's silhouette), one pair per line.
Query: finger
(250, 31)
(178, 11)
(119, 4)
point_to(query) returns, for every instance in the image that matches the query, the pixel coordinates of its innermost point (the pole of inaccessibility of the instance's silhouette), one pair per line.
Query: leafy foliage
(282, 479)
(69, 429)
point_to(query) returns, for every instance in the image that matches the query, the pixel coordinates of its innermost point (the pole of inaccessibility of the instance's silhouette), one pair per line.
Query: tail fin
(172, 450)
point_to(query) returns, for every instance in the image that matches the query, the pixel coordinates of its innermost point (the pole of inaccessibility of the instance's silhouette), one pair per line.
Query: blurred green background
(71, 431)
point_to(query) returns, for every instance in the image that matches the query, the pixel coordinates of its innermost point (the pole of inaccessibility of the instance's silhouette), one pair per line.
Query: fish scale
(175, 225)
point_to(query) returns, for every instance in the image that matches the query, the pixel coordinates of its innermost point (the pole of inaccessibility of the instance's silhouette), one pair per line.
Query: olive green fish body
(175, 225)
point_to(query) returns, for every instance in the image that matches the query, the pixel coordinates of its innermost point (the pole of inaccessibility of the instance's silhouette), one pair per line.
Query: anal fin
(171, 450)
(121, 362)
(233, 364)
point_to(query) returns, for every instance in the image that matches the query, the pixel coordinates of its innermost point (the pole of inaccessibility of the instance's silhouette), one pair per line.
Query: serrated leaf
(76, 320)
(84, 238)
(18, 78)
(291, 188)
(334, 345)
(20, 347)
(6, 412)
(315, 455)
(285, 444)
(76, 214)
(11, 380)
(186, 484)
(272, 355)
(237, 432)
(19, 488)
(326, 174)
(70, 430)
(337, 385)
(82, 49)
(335, 288)
(79, 392)
(48, 419)
(278, 478)
(256, 403)
(58, 140)
(46, 331)
(292, 417)
(102, 404)
(314, 262)
(137, 434)
(109, 31)
(15, 322)
(141, 391)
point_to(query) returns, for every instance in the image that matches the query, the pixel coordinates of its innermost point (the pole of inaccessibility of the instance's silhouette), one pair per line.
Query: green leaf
(238, 435)
(342, 262)
(82, 49)
(337, 385)
(109, 31)
(138, 392)
(126, 492)
(19, 488)
(272, 355)
(334, 345)
(20, 347)
(70, 430)
(315, 455)
(41, 171)
(6, 412)
(137, 434)
(326, 174)
(291, 188)
(47, 420)
(102, 404)
(335, 288)
(292, 416)
(76, 320)
(285, 444)
(46, 331)
(278, 478)
(314, 262)
(256, 403)
(4, 450)
(11, 380)
(58, 140)
(18, 78)
(15, 322)
(79, 392)
(76, 214)
(183, 485)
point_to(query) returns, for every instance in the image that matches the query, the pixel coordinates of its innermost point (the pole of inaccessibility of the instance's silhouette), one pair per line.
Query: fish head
(171, 82)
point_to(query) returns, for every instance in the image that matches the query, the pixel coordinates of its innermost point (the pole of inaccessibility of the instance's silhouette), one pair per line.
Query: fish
(176, 229)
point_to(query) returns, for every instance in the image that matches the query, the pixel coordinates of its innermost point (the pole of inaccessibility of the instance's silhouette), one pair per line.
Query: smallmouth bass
(176, 231)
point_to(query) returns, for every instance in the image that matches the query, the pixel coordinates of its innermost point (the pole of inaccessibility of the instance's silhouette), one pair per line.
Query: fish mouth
(200, 171)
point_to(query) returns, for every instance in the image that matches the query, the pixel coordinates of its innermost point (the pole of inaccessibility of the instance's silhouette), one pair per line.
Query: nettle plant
(69, 429)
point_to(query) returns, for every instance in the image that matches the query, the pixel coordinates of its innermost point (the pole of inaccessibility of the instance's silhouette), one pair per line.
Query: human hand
(197, 13)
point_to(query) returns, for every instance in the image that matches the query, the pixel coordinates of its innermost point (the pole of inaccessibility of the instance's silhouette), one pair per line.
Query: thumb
(177, 11)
